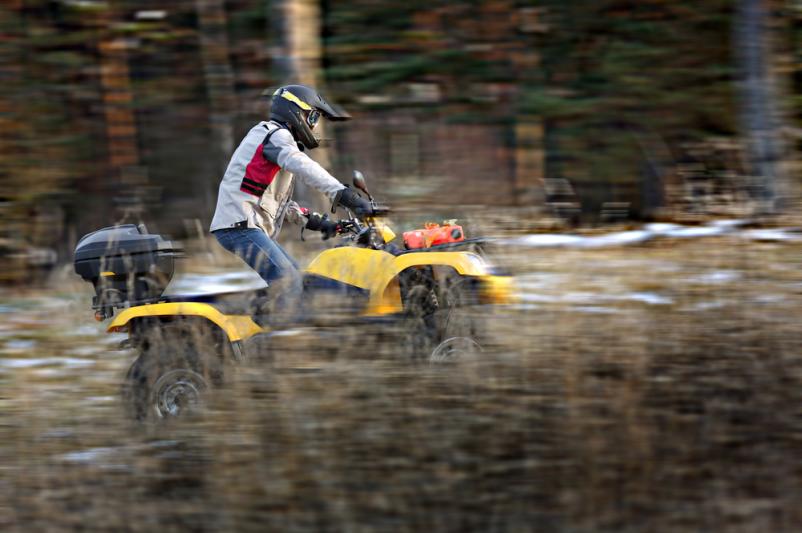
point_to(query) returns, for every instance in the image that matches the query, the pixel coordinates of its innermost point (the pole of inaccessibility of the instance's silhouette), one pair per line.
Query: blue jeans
(264, 255)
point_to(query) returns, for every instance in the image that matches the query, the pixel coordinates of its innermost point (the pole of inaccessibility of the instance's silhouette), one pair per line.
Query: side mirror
(359, 183)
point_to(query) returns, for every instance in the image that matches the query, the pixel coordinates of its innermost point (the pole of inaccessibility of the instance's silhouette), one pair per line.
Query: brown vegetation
(649, 388)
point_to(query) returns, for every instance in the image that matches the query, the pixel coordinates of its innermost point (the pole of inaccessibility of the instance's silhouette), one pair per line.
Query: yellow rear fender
(236, 327)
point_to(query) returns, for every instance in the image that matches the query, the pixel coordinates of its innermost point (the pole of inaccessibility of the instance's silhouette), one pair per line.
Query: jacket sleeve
(282, 150)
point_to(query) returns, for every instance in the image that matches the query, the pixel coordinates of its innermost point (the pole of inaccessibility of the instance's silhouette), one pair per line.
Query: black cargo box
(125, 264)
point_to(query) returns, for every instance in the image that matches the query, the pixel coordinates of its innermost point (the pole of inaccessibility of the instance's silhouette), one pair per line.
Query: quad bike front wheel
(443, 323)
(459, 324)
(455, 349)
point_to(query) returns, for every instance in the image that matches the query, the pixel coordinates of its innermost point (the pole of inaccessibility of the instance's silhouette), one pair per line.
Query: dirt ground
(655, 387)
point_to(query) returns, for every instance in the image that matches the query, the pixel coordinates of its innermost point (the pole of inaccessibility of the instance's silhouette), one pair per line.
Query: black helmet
(300, 108)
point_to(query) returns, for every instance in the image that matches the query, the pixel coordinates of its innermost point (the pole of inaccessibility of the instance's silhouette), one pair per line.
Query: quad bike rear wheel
(178, 363)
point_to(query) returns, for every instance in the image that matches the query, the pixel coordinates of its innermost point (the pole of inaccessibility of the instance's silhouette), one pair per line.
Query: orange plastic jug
(433, 234)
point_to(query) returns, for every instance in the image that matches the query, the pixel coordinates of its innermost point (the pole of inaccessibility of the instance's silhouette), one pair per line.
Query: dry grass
(643, 389)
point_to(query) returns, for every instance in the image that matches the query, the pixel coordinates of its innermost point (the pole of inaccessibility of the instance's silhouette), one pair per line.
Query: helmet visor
(313, 118)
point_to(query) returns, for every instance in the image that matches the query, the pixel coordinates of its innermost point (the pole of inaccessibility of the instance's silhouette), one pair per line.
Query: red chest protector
(259, 173)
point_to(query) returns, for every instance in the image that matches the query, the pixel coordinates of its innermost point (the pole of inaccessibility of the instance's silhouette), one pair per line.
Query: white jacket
(258, 183)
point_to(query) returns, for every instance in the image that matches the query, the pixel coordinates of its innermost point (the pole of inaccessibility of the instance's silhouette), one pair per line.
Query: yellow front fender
(376, 271)
(236, 327)
(465, 263)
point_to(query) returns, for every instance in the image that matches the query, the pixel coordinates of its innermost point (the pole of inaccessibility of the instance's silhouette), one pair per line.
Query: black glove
(323, 225)
(350, 199)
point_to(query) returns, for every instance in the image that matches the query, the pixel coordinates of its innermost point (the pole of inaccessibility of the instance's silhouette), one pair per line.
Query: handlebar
(364, 216)
(380, 210)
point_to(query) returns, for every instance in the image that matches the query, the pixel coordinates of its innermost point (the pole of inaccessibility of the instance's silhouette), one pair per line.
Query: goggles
(313, 118)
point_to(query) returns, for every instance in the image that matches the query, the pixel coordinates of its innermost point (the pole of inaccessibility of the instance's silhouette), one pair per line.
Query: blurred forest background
(646, 380)
(127, 111)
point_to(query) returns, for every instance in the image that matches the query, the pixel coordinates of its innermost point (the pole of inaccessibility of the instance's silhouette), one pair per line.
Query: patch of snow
(661, 227)
(649, 231)
(525, 307)
(556, 240)
(33, 362)
(581, 297)
(75, 362)
(85, 350)
(706, 306)
(547, 240)
(647, 298)
(52, 303)
(102, 399)
(287, 332)
(590, 298)
(19, 345)
(621, 238)
(729, 223)
(769, 298)
(597, 310)
(87, 330)
(535, 297)
(90, 455)
(10, 362)
(717, 277)
(778, 234)
(696, 232)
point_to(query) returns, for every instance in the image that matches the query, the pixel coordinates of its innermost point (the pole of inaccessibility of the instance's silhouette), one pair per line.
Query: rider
(256, 192)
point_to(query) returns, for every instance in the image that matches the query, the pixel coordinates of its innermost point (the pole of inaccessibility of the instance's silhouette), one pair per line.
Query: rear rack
(478, 242)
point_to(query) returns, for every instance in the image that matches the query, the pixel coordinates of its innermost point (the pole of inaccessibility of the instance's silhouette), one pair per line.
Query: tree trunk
(530, 162)
(297, 24)
(758, 109)
(218, 74)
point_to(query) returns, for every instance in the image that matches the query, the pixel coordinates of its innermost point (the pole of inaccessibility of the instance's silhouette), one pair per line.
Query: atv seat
(247, 302)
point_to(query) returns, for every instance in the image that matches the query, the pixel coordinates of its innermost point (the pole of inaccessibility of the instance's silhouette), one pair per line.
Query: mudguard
(494, 289)
(236, 327)
(377, 271)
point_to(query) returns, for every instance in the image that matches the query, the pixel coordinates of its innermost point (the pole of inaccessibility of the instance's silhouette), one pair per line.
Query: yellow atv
(185, 342)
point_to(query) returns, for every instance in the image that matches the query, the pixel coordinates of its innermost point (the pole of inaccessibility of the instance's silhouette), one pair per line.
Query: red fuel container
(432, 235)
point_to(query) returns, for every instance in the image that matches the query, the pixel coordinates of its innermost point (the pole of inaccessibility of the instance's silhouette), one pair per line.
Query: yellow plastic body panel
(375, 271)
(465, 263)
(360, 267)
(497, 290)
(236, 327)
(384, 230)
(372, 270)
